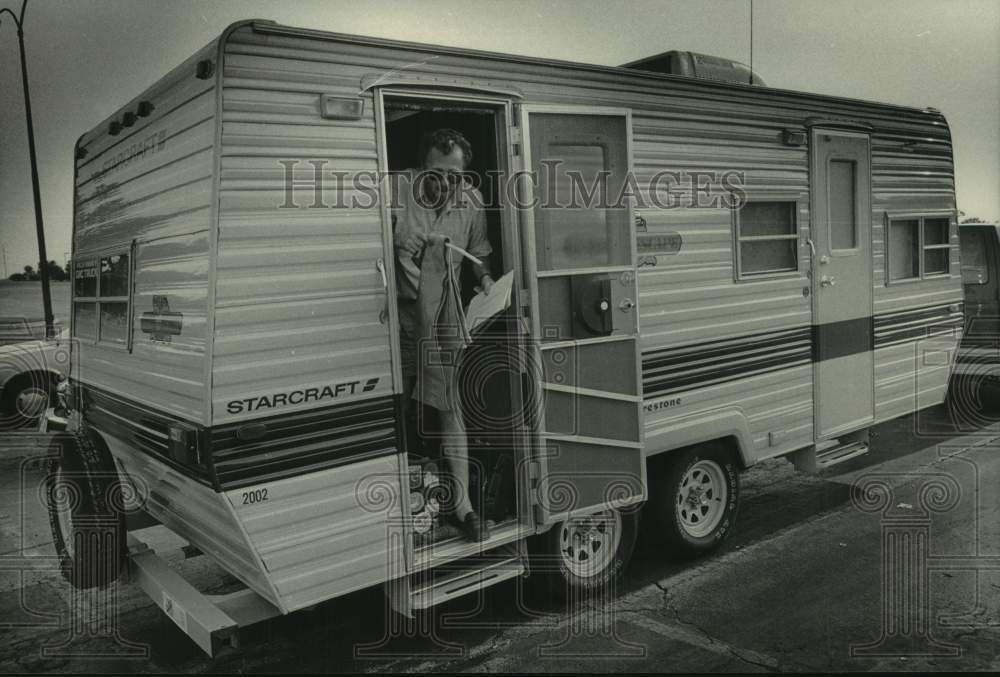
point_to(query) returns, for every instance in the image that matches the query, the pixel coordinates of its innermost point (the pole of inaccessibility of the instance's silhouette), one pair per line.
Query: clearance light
(204, 69)
(341, 108)
(793, 137)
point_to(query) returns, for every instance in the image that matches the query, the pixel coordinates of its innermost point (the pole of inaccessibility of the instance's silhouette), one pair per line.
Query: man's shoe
(473, 528)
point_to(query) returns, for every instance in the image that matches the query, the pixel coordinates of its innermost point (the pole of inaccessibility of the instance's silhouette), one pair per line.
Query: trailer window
(101, 290)
(766, 238)
(918, 247)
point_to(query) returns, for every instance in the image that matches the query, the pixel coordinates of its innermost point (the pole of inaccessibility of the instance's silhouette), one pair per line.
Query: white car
(29, 373)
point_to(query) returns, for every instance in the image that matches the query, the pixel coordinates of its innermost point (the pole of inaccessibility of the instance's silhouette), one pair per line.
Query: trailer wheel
(88, 524)
(586, 555)
(694, 498)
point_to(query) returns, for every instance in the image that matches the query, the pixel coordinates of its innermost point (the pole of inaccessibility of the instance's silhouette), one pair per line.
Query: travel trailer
(782, 275)
(976, 377)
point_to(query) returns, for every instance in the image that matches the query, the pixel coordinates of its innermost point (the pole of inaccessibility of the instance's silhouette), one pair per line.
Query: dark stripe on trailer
(144, 428)
(304, 442)
(918, 323)
(672, 370)
(668, 371)
(840, 339)
(283, 445)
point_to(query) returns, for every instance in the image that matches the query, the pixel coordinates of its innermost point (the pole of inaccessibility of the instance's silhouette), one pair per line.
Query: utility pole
(36, 191)
(4, 248)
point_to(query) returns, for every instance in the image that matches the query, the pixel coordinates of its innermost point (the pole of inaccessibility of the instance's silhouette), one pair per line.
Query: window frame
(845, 251)
(97, 299)
(795, 200)
(922, 247)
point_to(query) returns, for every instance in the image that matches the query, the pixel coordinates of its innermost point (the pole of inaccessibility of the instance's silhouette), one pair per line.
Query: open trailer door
(579, 246)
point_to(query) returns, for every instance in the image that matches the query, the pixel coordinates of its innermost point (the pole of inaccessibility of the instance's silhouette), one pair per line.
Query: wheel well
(728, 442)
(36, 376)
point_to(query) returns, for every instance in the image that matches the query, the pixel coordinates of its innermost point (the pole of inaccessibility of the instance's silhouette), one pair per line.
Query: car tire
(694, 499)
(86, 511)
(24, 400)
(585, 556)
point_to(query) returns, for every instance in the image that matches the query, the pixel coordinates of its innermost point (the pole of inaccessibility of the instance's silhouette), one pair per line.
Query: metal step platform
(428, 588)
(829, 453)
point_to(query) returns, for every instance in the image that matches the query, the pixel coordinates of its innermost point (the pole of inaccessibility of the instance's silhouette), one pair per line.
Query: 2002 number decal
(255, 496)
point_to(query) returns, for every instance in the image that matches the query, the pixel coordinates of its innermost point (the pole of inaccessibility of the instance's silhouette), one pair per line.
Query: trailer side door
(842, 282)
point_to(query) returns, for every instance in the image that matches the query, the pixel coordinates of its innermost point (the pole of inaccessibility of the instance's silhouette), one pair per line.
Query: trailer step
(829, 453)
(840, 453)
(464, 576)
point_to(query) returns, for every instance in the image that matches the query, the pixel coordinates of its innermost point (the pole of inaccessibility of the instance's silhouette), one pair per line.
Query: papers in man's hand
(483, 307)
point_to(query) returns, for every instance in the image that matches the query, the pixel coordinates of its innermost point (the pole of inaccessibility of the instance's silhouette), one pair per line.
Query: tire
(694, 499)
(24, 400)
(84, 494)
(570, 559)
(972, 400)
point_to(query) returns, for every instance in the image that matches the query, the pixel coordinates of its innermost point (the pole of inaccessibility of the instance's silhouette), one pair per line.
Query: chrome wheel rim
(588, 544)
(701, 498)
(31, 402)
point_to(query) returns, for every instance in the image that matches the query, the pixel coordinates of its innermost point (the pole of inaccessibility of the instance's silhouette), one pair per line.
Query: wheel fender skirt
(704, 427)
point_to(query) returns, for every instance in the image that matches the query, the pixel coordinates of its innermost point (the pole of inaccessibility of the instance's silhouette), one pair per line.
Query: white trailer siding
(914, 350)
(195, 511)
(148, 192)
(298, 294)
(327, 533)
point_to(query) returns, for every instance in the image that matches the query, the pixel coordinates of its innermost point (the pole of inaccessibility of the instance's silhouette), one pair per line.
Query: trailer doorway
(490, 371)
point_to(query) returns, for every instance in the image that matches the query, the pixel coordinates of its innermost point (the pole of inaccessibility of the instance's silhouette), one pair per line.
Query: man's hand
(412, 243)
(485, 284)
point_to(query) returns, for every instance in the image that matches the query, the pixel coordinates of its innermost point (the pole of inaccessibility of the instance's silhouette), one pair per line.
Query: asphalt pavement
(888, 562)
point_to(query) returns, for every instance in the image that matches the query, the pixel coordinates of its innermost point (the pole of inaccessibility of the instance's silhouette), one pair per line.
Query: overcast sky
(87, 57)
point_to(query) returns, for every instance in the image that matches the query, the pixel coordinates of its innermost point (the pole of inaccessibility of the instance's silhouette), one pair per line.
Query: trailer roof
(266, 26)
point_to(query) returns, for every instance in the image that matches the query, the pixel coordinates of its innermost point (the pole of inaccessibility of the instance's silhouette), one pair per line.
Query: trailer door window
(843, 226)
(766, 238)
(101, 289)
(918, 247)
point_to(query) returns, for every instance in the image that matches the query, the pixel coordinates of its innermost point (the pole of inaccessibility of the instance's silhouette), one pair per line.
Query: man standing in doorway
(436, 200)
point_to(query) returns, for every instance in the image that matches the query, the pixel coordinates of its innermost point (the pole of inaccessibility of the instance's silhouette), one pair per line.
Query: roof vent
(701, 66)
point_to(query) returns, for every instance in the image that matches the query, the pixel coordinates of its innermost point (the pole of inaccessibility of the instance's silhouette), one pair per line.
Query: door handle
(827, 281)
(383, 315)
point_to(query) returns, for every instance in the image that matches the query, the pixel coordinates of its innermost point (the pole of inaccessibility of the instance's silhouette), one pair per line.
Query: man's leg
(455, 447)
